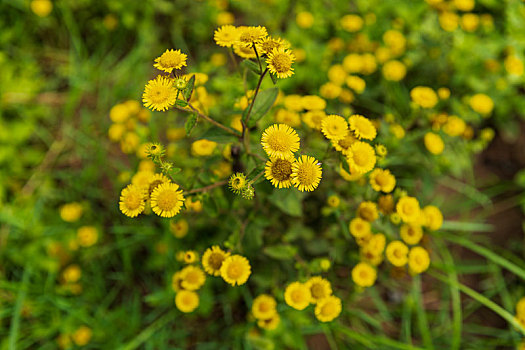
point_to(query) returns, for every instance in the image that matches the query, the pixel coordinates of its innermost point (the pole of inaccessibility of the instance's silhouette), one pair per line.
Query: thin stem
(257, 156)
(256, 178)
(205, 117)
(255, 95)
(258, 58)
(207, 188)
(232, 56)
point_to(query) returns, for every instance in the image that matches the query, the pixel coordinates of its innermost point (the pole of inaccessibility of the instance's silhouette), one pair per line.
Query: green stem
(205, 117)
(424, 329)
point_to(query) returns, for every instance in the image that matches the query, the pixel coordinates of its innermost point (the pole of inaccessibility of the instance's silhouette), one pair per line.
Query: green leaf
(281, 251)
(218, 135)
(181, 103)
(254, 67)
(288, 200)
(263, 102)
(189, 88)
(274, 78)
(190, 123)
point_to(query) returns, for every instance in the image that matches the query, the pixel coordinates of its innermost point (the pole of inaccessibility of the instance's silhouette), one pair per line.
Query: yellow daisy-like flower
(132, 201)
(362, 127)
(297, 295)
(361, 157)
(433, 216)
(376, 244)
(397, 253)
(367, 211)
(143, 178)
(235, 270)
(334, 127)
(271, 323)
(418, 260)
(170, 60)
(386, 204)
(424, 96)
(244, 51)
(279, 171)
(186, 301)
(382, 180)
(87, 236)
(179, 228)
(167, 200)
(156, 180)
(268, 44)
(237, 182)
(328, 309)
(359, 228)
(408, 209)
(482, 104)
(314, 119)
(411, 234)
(226, 36)
(280, 62)
(159, 94)
(280, 141)
(190, 257)
(333, 201)
(344, 144)
(313, 103)
(306, 173)
(192, 277)
(320, 288)
(364, 275)
(212, 260)
(434, 143)
(264, 307)
(176, 281)
(71, 212)
(250, 35)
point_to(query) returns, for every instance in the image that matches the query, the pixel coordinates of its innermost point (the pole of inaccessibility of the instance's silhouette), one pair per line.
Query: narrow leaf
(263, 102)
(189, 88)
(190, 123)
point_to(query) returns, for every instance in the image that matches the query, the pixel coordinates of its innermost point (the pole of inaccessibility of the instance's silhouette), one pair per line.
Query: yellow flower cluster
(128, 122)
(317, 291)
(280, 142)
(265, 311)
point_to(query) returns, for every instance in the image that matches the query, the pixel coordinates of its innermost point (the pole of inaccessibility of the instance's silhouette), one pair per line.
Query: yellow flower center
(170, 59)
(281, 169)
(328, 309)
(264, 307)
(282, 62)
(167, 200)
(133, 201)
(192, 277)
(306, 174)
(297, 296)
(317, 291)
(159, 94)
(360, 158)
(234, 271)
(215, 260)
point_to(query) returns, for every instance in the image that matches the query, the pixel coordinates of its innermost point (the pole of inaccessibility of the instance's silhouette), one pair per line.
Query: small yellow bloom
(351, 23)
(226, 36)
(334, 127)
(235, 270)
(280, 141)
(306, 173)
(356, 83)
(72, 273)
(71, 212)
(382, 180)
(192, 277)
(320, 288)
(361, 157)
(364, 275)
(41, 8)
(367, 211)
(411, 234)
(397, 253)
(481, 103)
(394, 70)
(359, 228)
(434, 143)
(424, 96)
(297, 295)
(237, 182)
(87, 236)
(179, 228)
(313, 103)
(203, 147)
(271, 323)
(264, 307)
(279, 172)
(418, 260)
(434, 218)
(186, 301)
(132, 200)
(251, 35)
(408, 209)
(327, 309)
(362, 127)
(212, 260)
(82, 336)
(280, 62)
(333, 201)
(159, 94)
(170, 60)
(304, 19)
(167, 200)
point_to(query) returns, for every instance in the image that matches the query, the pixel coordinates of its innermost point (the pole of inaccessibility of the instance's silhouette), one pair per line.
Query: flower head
(418, 260)
(482, 104)
(186, 301)
(359, 228)
(251, 35)
(279, 172)
(280, 62)
(159, 94)
(367, 211)
(237, 182)
(408, 209)
(132, 200)
(170, 60)
(424, 96)
(327, 309)
(433, 216)
(271, 323)
(235, 270)
(411, 234)
(280, 141)
(364, 275)
(362, 127)
(192, 277)
(334, 127)
(320, 288)
(396, 252)
(434, 143)
(361, 157)
(297, 295)
(167, 200)
(226, 36)
(264, 307)
(212, 260)
(268, 44)
(306, 173)
(382, 180)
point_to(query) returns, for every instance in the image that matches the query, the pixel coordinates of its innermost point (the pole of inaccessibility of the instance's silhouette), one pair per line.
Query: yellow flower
(271, 323)
(448, 21)
(386, 204)
(71, 212)
(351, 23)
(237, 182)
(353, 63)
(481, 103)
(362, 127)
(408, 209)
(337, 74)
(306, 173)
(72, 273)
(314, 119)
(454, 126)
(397, 130)
(304, 19)
(364, 275)
(279, 171)
(344, 144)
(280, 62)
(186, 301)
(334, 127)
(333, 201)
(142, 179)
(434, 143)
(434, 218)
(212, 260)
(319, 287)
(250, 35)
(361, 157)
(520, 307)
(394, 70)
(328, 309)
(418, 260)
(268, 44)
(367, 211)
(291, 118)
(513, 65)
(356, 83)
(424, 96)
(167, 200)
(119, 113)
(313, 103)
(203, 147)
(179, 228)
(192, 278)
(359, 228)
(41, 8)
(170, 60)
(444, 93)
(280, 141)
(156, 180)
(264, 307)
(190, 257)
(382, 180)
(235, 270)
(159, 94)
(132, 201)
(226, 36)
(294, 103)
(330, 90)
(411, 234)
(395, 41)
(469, 22)
(224, 18)
(82, 335)
(244, 51)
(464, 5)
(376, 244)
(297, 295)
(87, 236)
(193, 205)
(397, 253)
